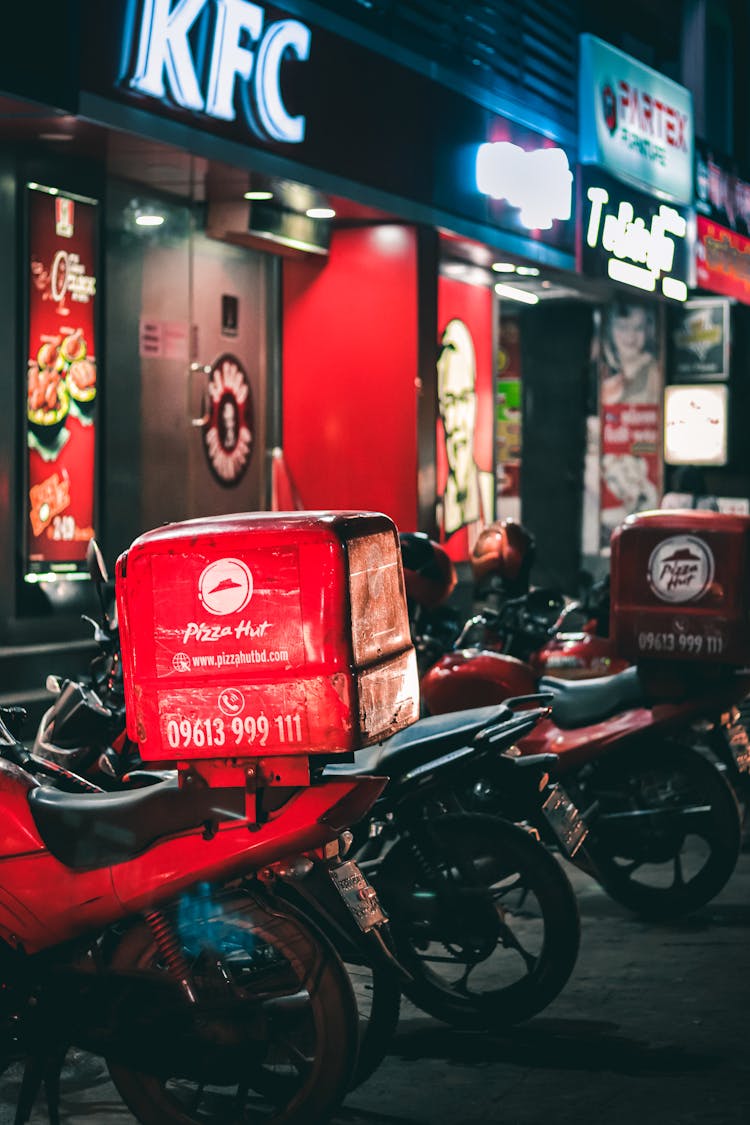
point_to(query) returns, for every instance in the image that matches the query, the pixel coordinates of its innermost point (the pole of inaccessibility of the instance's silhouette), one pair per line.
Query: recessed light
(320, 213)
(528, 271)
(149, 220)
(503, 267)
(258, 195)
(514, 294)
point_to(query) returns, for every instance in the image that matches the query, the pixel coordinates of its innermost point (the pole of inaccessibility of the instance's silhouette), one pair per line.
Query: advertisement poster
(700, 341)
(61, 382)
(465, 476)
(631, 379)
(695, 424)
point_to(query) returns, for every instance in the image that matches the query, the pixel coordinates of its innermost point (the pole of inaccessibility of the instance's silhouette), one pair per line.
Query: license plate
(565, 821)
(360, 897)
(739, 745)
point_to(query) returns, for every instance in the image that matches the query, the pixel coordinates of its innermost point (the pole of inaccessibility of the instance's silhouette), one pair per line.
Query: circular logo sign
(680, 569)
(609, 108)
(228, 430)
(225, 586)
(181, 662)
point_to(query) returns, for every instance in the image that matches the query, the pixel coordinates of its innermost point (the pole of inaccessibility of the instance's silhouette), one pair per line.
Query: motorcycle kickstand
(40, 1069)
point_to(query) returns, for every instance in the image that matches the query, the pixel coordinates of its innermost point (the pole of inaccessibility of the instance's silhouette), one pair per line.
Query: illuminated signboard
(244, 82)
(246, 54)
(635, 122)
(700, 341)
(720, 194)
(722, 260)
(539, 182)
(695, 424)
(632, 238)
(61, 383)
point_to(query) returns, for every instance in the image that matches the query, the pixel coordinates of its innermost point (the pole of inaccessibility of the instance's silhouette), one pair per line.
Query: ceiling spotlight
(320, 213)
(503, 267)
(514, 294)
(528, 271)
(258, 195)
(149, 220)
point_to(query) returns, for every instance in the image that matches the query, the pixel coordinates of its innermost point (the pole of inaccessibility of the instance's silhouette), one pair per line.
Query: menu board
(61, 380)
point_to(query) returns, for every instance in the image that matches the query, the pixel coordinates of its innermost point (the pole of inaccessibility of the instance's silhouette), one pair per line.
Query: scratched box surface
(680, 587)
(265, 633)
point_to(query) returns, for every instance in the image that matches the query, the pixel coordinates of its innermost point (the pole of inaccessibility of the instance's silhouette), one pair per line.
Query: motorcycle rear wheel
(522, 907)
(675, 861)
(302, 1071)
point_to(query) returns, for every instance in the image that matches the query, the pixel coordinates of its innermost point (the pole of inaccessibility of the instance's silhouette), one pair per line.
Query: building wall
(350, 368)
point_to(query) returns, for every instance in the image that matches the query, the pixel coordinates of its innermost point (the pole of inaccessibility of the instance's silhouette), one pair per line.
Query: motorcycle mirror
(95, 562)
(53, 685)
(98, 574)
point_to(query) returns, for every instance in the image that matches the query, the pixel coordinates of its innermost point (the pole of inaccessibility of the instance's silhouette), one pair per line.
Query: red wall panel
(350, 362)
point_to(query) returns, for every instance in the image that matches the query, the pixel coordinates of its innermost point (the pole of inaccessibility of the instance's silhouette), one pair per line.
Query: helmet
(504, 550)
(429, 573)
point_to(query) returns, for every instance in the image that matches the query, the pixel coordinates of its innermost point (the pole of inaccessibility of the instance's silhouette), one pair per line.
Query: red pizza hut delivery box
(265, 634)
(680, 587)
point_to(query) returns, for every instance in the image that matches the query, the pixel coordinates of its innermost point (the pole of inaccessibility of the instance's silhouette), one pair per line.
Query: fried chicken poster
(61, 381)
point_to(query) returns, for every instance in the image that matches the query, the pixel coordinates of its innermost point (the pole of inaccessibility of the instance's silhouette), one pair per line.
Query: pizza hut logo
(225, 587)
(680, 569)
(229, 421)
(609, 108)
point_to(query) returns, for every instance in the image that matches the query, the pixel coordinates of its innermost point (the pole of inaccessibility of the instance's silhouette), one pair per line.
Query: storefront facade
(193, 333)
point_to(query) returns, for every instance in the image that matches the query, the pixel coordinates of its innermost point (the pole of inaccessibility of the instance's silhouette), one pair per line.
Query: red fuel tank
(680, 587)
(265, 634)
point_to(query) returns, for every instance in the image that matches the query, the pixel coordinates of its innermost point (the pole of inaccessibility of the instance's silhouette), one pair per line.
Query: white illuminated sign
(635, 122)
(538, 183)
(641, 255)
(695, 425)
(243, 52)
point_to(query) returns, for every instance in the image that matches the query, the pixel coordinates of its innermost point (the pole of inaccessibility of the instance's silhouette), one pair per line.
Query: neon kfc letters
(244, 52)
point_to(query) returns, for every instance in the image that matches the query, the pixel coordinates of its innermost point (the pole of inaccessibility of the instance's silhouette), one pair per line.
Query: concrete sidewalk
(650, 1030)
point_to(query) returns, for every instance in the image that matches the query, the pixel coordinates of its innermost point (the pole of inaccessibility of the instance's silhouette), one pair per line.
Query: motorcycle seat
(91, 830)
(422, 741)
(578, 703)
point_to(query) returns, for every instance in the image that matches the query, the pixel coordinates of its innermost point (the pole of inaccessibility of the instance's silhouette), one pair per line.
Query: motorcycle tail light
(265, 634)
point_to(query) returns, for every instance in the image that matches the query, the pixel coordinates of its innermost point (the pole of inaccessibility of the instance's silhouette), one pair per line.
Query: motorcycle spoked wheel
(669, 864)
(377, 993)
(494, 938)
(302, 1070)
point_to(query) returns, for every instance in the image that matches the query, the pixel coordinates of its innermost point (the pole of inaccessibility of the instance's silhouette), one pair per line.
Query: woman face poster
(631, 381)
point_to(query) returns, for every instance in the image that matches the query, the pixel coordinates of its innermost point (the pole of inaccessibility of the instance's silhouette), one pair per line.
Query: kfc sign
(635, 122)
(244, 57)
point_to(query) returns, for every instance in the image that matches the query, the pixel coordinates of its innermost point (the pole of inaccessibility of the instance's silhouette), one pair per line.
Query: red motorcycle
(664, 824)
(137, 924)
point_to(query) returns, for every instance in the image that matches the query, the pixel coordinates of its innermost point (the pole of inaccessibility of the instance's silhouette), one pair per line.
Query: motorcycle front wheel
(667, 832)
(299, 1070)
(483, 917)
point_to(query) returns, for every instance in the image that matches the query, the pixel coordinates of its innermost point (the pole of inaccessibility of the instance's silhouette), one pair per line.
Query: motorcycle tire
(492, 887)
(300, 1070)
(696, 827)
(378, 997)
(377, 991)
